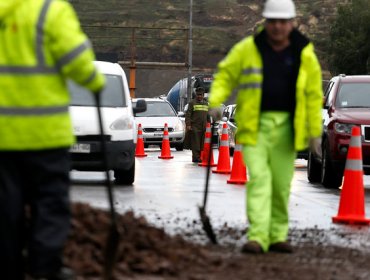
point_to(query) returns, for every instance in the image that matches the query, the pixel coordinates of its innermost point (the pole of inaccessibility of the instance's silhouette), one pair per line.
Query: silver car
(160, 112)
(228, 117)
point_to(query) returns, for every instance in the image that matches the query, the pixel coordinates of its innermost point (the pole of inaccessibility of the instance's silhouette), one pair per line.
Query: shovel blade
(207, 227)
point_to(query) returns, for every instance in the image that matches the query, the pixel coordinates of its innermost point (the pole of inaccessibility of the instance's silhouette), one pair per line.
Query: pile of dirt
(146, 252)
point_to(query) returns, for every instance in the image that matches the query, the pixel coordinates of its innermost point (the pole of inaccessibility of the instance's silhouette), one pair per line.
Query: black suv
(346, 104)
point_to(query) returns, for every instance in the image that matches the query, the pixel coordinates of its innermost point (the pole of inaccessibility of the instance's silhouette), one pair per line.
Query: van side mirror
(181, 114)
(140, 106)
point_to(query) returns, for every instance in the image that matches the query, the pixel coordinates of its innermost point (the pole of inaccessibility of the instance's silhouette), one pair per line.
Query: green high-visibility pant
(270, 168)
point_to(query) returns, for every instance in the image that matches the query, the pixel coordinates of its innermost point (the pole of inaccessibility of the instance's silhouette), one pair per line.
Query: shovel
(113, 235)
(207, 227)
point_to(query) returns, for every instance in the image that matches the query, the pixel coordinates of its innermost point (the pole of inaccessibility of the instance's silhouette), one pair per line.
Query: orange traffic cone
(352, 202)
(166, 151)
(239, 170)
(139, 152)
(207, 149)
(223, 164)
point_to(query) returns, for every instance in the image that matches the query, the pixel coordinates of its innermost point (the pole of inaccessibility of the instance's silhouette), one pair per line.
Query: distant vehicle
(228, 117)
(178, 96)
(152, 121)
(346, 104)
(118, 123)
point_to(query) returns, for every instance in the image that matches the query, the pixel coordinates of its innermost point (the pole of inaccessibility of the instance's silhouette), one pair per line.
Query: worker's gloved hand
(215, 113)
(315, 146)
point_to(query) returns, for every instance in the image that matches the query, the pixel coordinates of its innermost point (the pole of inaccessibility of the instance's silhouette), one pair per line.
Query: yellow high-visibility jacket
(242, 70)
(41, 45)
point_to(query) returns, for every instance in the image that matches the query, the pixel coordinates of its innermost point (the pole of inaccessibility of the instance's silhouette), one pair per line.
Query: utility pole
(133, 65)
(190, 54)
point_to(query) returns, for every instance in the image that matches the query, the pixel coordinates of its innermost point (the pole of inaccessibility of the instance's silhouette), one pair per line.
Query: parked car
(346, 104)
(228, 117)
(152, 121)
(118, 123)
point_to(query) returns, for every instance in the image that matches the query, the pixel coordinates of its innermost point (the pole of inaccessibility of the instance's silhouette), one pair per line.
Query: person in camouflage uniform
(196, 120)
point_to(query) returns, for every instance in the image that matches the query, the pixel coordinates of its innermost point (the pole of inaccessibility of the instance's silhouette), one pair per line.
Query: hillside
(157, 31)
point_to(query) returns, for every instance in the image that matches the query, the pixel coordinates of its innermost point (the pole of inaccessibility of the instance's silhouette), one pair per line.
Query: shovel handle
(105, 160)
(113, 235)
(208, 168)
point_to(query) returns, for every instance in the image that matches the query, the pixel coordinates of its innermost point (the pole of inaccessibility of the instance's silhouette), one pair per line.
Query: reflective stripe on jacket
(41, 45)
(196, 115)
(241, 70)
(201, 107)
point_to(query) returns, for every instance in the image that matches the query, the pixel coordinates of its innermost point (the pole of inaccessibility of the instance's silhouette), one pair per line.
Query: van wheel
(125, 177)
(330, 177)
(313, 169)
(179, 147)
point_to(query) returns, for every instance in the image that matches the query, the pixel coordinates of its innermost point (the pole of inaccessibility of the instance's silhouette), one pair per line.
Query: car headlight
(343, 128)
(121, 124)
(179, 126)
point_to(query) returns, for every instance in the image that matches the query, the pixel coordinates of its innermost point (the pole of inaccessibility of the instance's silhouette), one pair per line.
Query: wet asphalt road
(167, 193)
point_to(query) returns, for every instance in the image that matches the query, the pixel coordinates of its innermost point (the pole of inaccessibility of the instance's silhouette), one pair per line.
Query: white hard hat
(279, 9)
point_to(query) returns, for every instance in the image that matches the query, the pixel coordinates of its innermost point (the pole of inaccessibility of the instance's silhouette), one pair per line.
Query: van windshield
(157, 109)
(112, 95)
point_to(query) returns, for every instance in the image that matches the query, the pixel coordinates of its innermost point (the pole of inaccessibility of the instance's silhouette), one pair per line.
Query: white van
(118, 124)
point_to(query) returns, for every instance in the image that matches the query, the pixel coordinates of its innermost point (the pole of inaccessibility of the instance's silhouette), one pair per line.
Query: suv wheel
(125, 177)
(330, 177)
(231, 151)
(313, 169)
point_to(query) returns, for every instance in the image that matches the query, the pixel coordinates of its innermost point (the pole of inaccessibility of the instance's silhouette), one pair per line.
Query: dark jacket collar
(297, 40)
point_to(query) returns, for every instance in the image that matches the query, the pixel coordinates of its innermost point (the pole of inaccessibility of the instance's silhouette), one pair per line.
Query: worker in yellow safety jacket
(196, 117)
(278, 80)
(41, 46)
